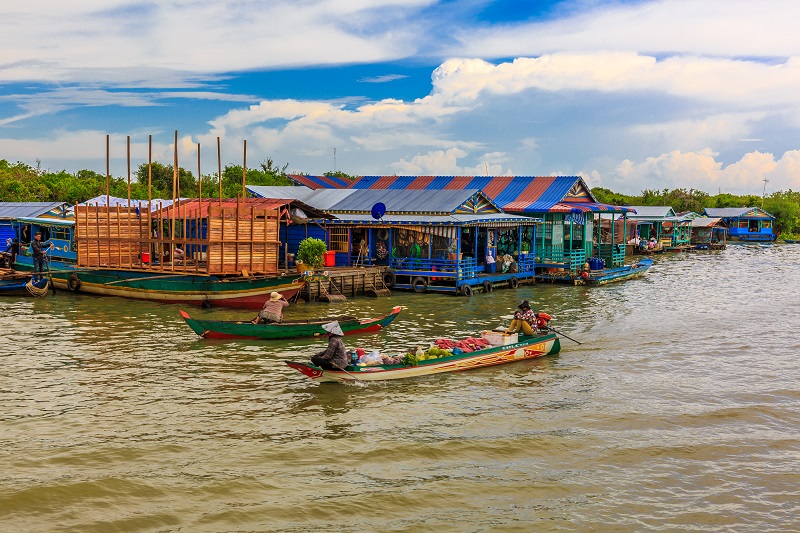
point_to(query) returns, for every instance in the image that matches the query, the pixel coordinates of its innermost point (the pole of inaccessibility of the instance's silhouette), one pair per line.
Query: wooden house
(709, 233)
(672, 232)
(22, 220)
(571, 231)
(434, 240)
(745, 223)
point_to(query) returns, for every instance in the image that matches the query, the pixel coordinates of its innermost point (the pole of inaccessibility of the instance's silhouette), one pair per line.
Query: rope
(36, 291)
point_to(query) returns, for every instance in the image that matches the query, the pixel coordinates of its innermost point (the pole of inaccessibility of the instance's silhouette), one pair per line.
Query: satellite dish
(378, 210)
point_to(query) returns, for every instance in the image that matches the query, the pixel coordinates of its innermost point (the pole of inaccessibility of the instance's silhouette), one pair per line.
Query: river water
(679, 412)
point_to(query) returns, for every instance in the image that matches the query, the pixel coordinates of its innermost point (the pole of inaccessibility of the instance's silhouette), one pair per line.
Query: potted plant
(311, 252)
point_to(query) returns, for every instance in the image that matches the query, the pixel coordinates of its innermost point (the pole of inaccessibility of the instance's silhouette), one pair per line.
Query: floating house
(672, 232)
(709, 233)
(571, 232)
(22, 220)
(745, 223)
(427, 240)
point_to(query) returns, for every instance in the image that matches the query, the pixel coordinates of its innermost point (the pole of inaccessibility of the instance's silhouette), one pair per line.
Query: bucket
(145, 257)
(491, 268)
(330, 258)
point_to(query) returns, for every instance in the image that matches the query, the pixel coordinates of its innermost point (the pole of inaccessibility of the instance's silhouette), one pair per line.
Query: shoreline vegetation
(20, 182)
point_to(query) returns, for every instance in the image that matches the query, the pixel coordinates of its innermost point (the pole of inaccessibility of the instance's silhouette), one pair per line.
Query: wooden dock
(340, 283)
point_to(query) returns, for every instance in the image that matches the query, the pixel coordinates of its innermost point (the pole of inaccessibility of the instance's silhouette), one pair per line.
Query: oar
(556, 331)
(346, 372)
(50, 277)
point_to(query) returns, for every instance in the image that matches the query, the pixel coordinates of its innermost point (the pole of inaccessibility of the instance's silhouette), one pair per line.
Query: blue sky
(631, 95)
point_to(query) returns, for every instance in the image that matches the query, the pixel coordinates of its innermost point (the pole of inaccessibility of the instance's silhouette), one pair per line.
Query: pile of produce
(440, 348)
(470, 344)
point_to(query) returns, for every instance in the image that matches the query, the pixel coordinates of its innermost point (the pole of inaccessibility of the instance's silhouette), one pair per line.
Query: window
(339, 239)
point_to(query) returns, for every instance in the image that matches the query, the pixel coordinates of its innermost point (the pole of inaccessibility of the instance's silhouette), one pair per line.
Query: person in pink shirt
(272, 312)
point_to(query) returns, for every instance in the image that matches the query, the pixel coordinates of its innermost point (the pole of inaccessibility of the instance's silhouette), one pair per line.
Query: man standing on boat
(39, 254)
(334, 357)
(272, 312)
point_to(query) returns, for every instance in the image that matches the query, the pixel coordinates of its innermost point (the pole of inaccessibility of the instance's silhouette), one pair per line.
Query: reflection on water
(678, 411)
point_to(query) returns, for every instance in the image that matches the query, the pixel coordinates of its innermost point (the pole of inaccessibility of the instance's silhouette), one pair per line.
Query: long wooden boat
(189, 289)
(17, 285)
(610, 275)
(288, 329)
(526, 348)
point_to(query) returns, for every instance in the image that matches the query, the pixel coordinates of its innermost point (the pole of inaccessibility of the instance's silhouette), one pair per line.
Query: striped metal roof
(320, 182)
(513, 194)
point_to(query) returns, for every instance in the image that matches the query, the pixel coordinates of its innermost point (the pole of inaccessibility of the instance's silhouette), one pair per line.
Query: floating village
(329, 239)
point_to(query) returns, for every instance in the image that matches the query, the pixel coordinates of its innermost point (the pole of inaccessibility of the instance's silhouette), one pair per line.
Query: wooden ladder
(334, 296)
(371, 289)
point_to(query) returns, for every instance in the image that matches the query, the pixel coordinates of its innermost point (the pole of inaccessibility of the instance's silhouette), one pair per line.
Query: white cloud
(50, 40)
(701, 171)
(734, 28)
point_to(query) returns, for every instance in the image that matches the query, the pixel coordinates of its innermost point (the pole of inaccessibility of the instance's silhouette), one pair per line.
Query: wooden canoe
(611, 275)
(526, 348)
(288, 329)
(17, 285)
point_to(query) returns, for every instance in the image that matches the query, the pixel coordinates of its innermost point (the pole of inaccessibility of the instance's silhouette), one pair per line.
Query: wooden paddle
(346, 372)
(50, 276)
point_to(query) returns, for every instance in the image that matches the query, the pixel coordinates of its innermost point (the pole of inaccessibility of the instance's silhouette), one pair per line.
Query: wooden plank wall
(110, 236)
(243, 239)
(239, 239)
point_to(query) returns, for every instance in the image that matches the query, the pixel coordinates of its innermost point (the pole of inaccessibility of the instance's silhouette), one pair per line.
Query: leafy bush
(311, 252)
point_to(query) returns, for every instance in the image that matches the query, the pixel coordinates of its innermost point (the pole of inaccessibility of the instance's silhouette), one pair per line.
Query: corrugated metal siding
(6, 232)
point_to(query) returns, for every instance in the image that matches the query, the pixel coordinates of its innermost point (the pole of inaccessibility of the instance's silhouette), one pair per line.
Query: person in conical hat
(334, 357)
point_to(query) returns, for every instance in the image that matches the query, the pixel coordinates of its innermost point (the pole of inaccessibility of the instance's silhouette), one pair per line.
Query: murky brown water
(679, 412)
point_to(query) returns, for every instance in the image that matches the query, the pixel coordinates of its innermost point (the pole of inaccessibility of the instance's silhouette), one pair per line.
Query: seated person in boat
(334, 357)
(272, 312)
(524, 320)
(178, 254)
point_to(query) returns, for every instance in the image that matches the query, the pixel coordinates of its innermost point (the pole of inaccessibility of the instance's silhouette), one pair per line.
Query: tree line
(20, 182)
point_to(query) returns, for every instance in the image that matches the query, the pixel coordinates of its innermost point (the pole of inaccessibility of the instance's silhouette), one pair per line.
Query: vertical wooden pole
(149, 169)
(244, 169)
(128, 217)
(199, 217)
(108, 169)
(219, 171)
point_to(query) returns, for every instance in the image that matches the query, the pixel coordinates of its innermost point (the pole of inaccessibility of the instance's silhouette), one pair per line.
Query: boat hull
(214, 329)
(529, 348)
(237, 292)
(17, 286)
(634, 271)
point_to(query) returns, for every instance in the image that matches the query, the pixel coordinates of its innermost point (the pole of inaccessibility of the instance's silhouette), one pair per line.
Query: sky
(629, 94)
